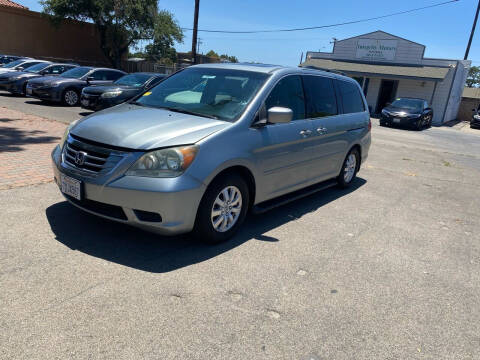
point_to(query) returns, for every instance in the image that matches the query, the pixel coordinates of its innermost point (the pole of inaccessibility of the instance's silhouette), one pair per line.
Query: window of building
(320, 96)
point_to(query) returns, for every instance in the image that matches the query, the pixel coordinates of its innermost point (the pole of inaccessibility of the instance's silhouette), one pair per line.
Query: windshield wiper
(188, 112)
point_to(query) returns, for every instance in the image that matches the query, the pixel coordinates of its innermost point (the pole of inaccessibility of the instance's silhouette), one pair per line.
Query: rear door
(283, 156)
(323, 110)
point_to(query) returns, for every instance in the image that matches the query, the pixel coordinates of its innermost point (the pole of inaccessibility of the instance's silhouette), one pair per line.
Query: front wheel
(350, 168)
(70, 97)
(222, 210)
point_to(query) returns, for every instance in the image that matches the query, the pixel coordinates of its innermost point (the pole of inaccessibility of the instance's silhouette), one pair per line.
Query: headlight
(413, 116)
(165, 163)
(65, 134)
(385, 112)
(111, 94)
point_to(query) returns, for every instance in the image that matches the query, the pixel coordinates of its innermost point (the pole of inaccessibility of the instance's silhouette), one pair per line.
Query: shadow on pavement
(144, 251)
(12, 139)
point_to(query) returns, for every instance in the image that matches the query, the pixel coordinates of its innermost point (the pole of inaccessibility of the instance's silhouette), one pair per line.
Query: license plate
(85, 102)
(396, 120)
(71, 186)
(29, 91)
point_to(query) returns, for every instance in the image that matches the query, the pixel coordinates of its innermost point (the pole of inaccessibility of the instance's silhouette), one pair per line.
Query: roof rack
(323, 69)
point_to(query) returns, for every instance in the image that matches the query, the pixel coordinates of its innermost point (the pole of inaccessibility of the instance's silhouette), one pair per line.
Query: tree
(473, 79)
(223, 57)
(166, 33)
(120, 23)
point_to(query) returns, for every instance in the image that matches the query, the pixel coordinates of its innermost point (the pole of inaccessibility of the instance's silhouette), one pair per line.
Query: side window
(351, 98)
(113, 75)
(425, 105)
(288, 93)
(56, 69)
(320, 96)
(99, 75)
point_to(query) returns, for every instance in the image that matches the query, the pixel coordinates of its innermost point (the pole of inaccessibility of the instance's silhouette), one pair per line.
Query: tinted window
(29, 64)
(100, 75)
(113, 75)
(320, 96)
(288, 93)
(351, 98)
(210, 92)
(410, 104)
(76, 73)
(133, 79)
(37, 68)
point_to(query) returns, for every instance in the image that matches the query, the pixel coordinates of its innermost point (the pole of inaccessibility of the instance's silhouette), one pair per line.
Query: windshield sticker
(147, 93)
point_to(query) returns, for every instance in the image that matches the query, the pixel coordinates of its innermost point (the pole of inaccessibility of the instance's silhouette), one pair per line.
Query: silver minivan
(211, 142)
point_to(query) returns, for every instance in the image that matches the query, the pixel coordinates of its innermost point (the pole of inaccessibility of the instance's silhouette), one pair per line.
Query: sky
(444, 30)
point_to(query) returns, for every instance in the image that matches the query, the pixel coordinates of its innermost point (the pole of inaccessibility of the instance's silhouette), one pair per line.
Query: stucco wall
(29, 33)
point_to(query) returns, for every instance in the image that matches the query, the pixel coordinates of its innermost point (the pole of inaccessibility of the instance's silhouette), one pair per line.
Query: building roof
(395, 71)
(473, 93)
(12, 4)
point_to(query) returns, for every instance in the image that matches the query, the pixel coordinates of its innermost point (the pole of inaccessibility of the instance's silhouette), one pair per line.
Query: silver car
(211, 142)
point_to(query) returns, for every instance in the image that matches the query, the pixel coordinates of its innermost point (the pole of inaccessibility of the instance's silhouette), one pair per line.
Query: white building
(388, 66)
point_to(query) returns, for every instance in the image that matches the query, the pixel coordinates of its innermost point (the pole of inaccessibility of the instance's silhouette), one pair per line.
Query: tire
(343, 180)
(70, 97)
(419, 125)
(223, 229)
(383, 123)
(429, 122)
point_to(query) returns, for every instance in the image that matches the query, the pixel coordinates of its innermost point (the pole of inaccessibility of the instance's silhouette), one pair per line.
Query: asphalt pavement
(389, 269)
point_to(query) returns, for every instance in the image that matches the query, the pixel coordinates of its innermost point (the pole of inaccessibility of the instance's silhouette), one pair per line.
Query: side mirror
(428, 109)
(279, 115)
(20, 68)
(90, 78)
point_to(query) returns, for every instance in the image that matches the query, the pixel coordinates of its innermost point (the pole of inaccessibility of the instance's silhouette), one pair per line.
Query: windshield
(133, 80)
(410, 104)
(218, 93)
(76, 73)
(37, 68)
(13, 63)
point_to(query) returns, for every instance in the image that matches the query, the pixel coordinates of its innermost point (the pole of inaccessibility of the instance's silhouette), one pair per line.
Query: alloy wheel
(226, 209)
(71, 97)
(350, 167)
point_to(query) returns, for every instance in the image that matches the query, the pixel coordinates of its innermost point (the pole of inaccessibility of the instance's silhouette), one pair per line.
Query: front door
(284, 158)
(388, 90)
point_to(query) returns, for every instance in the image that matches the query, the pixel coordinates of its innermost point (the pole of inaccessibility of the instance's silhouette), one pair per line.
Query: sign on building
(372, 49)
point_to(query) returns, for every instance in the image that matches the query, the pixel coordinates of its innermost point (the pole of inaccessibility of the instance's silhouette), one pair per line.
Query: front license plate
(85, 102)
(29, 91)
(396, 120)
(71, 186)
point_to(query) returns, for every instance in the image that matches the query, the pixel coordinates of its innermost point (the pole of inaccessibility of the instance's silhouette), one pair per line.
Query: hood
(100, 89)
(55, 80)
(143, 128)
(395, 109)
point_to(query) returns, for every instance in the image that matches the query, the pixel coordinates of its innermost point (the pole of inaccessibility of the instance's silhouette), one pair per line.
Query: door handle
(322, 130)
(306, 133)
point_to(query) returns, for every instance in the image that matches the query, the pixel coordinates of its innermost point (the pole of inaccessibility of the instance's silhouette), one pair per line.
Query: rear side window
(320, 96)
(351, 98)
(288, 93)
(114, 75)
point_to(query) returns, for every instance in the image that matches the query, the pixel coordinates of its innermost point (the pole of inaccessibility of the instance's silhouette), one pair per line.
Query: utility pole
(473, 31)
(195, 30)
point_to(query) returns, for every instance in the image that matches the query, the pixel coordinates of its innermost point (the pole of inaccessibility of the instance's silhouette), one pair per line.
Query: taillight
(369, 124)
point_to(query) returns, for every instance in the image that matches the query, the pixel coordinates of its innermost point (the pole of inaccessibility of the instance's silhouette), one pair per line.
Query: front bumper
(7, 85)
(475, 123)
(400, 121)
(126, 199)
(96, 102)
(50, 94)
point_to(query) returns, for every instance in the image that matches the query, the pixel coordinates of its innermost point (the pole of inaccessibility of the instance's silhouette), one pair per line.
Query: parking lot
(389, 269)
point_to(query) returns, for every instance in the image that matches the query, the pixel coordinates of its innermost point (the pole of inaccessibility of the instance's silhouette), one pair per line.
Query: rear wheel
(70, 97)
(222, 209)
(350, 168)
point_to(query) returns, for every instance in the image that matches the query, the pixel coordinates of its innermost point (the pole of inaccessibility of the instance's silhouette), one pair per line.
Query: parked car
(67, 87)
(257, 133)
(412, 112)
(16, 82)
(102, 97)
(20, 65)
(475, 120)
(5, 59)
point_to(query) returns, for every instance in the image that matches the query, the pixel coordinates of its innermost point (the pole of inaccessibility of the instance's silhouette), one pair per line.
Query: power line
(325, 26)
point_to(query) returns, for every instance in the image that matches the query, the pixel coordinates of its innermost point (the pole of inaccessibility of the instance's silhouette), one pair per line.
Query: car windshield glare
(76, 73)
(410, 104)
(37, 68)
(217, 93)
(133, 80)
(13, 63)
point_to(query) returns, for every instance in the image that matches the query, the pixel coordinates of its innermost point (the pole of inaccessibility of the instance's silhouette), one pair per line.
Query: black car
(475, 121)
(67, 87)
(20, 65)
(101, 97)
(16, 82)
(5, 59)
(411, 112)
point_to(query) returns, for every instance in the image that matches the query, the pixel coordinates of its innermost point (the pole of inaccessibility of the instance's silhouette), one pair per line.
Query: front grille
(88, 158)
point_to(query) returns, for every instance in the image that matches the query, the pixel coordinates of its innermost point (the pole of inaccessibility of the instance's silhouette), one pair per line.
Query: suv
(183, 157)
